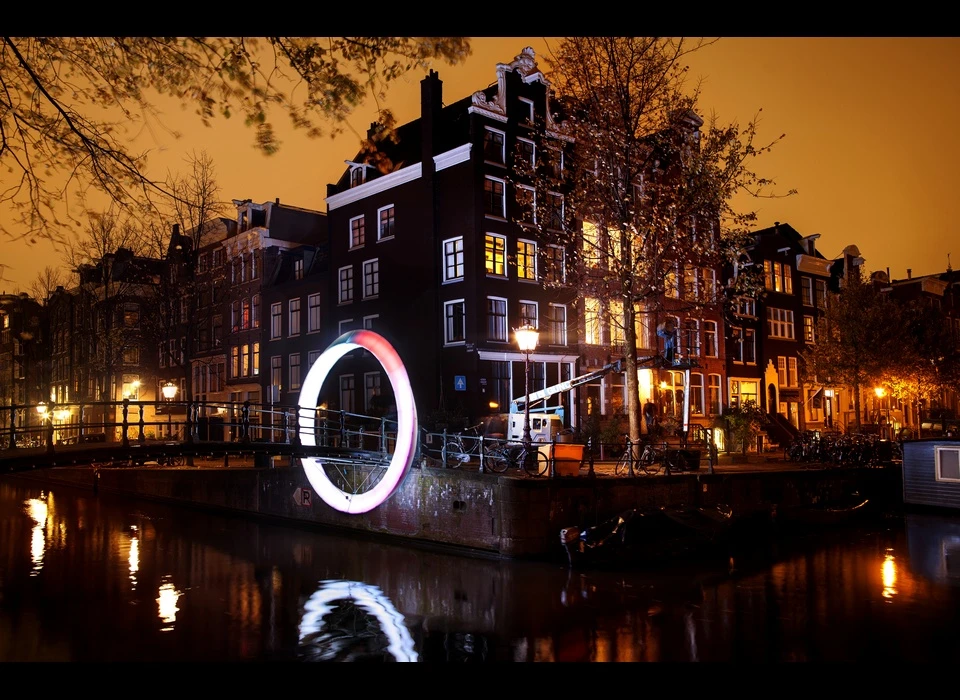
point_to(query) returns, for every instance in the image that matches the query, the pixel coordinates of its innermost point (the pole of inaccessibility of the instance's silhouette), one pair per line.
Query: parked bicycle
(461, 447)
(652, 459)
(502, 456)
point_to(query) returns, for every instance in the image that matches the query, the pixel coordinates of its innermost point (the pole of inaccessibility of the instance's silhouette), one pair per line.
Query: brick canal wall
(501, 515)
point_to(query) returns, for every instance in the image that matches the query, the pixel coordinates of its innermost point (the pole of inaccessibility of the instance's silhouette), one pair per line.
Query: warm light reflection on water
(167, 602)
(889, 575)
(232, 589)
(133, 558)
(37, 509)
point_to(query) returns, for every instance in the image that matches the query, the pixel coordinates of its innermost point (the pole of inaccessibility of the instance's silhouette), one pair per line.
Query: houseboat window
(948, 463)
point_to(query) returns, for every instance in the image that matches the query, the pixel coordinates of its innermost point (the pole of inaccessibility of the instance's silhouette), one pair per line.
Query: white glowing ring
(406, 422)
(368, 597)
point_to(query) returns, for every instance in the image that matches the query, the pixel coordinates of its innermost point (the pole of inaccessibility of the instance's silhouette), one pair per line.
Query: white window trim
(350, 244)
(503, 146)
(563, 340)
(363, 288)
(506, 319)
(536, 306)
(340, 298)
(530, 114)
(380, 236)
(503, 200)
(505, 255)
(443, 253)
(462, 302)
(291, 315)
(343, 326)
(536, 262)
(533, 154)
(937, 461)
(533, 202)
(320, 307)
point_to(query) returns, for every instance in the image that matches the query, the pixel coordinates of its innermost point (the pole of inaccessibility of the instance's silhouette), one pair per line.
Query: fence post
(141, 438)
(79, 423)
(630, 456)
(710, 447)
(482, 451)
(383, 435)
(188, 427)
(49, 431)
(343, 428)
(283, 427)
(126, 407)
(590, 454)
(245, 422)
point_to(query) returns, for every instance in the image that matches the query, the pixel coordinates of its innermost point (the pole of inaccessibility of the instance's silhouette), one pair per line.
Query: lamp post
(169, 391)
(526, 337)
(42, 411)
(881, 392)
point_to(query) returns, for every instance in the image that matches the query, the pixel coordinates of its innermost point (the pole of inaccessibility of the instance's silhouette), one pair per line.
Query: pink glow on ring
(405, 445)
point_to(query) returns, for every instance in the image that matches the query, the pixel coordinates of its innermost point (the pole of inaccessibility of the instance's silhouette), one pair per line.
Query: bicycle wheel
(623, 464)
(455, 454)
(535, 463)
(650, 462)
(496, 460)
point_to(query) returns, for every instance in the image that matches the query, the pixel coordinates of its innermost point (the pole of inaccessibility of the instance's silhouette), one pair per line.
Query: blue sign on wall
(460, 382)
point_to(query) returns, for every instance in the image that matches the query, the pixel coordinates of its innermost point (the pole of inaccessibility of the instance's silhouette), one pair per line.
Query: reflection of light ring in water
(406, 422)
(371, 599)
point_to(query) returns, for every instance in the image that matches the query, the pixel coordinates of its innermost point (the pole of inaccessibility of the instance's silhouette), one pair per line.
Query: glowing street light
(527, 337)
(169, 391)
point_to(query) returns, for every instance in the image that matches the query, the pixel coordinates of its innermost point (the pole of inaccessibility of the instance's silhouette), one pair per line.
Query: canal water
(87, 577)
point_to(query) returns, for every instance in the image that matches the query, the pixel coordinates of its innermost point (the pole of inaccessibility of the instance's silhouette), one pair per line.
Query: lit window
(526, 260)
(495, 251)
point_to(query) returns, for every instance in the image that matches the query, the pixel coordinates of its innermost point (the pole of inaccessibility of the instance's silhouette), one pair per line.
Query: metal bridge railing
(131, 421)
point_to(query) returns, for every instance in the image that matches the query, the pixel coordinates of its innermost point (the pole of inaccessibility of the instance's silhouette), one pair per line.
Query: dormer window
(526, 111)
(358, 173)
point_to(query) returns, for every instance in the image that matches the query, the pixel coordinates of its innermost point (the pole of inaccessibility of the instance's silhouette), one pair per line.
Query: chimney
(278, 201)
(176, 229)
(431, 102)
(909, 275)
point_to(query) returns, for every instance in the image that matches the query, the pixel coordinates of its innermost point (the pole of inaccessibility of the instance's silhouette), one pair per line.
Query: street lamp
(169, 391)
(527, 337)
(881, 392)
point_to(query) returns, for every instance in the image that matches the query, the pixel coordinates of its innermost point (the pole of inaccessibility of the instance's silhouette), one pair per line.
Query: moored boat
(642, 536)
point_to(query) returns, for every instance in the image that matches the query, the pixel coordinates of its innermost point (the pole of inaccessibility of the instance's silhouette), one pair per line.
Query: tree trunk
(634, 414)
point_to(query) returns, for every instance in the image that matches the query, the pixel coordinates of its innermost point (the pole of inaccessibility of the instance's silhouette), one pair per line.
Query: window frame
(345, 285)
(356, 234)
(489, 194)
(371, 278)
(502, 323)
(453, 259)
(448, 335)
(501, 158)
(390, 224)
(491, 260)
(293, 317)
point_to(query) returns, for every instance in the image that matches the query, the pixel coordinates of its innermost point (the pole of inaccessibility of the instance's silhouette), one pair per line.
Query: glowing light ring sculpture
(406, 422)
(368, 597)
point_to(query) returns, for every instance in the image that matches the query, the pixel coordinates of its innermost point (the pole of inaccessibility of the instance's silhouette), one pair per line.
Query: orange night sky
(871, 144)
